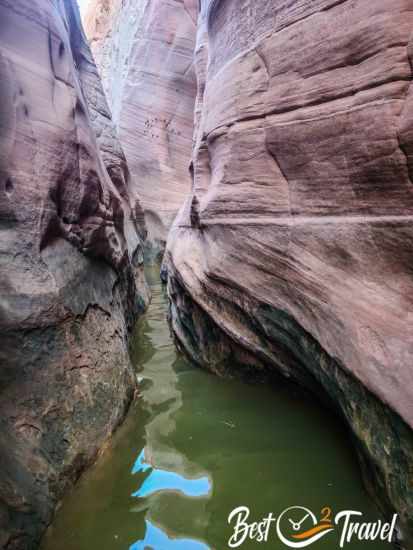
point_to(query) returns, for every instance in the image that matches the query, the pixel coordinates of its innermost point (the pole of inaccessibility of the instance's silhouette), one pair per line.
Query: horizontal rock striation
(71, 264)
(144, 50)
(294, 252)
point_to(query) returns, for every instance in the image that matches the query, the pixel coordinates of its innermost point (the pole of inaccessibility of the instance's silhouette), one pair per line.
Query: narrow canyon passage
(195, 447)
(262, 150)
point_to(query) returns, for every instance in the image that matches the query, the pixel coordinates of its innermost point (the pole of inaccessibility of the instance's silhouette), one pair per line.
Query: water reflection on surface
(195, 447)
(156, 538)
(162, 480)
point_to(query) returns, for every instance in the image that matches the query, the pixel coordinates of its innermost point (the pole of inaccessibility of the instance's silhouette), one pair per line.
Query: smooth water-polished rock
(294, 251)
(71, 264)
(144, 50)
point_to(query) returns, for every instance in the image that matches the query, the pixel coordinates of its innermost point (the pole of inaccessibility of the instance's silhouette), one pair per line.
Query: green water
(195, 447)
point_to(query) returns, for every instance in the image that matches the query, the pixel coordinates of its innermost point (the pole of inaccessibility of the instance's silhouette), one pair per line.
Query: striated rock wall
(71, 264)
(294, 252)
(144, 50)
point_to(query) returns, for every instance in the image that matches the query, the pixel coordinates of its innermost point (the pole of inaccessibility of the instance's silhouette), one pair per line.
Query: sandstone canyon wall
(144, 50)
(294, 252)
(71, 261)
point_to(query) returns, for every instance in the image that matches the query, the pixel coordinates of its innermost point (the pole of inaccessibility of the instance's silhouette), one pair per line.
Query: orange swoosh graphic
(313, 531)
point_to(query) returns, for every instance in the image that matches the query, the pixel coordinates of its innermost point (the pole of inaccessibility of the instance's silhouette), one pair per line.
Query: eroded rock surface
(144, 50)
(294, 252)
(71, 261)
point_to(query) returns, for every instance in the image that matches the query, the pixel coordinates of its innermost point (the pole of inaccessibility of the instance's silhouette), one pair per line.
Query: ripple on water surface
(195, 447)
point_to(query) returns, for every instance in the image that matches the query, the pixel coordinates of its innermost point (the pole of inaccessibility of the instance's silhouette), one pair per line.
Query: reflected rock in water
(140, 464)
(163, 480)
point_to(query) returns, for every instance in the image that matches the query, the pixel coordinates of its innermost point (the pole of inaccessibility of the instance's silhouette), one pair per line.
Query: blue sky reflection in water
(194, 447)
(163, 480)
(156, 538)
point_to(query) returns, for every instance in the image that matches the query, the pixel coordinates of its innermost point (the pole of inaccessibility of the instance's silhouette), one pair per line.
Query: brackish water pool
(194, 447)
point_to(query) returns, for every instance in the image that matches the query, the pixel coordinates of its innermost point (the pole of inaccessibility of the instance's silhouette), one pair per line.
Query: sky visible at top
(83, 5)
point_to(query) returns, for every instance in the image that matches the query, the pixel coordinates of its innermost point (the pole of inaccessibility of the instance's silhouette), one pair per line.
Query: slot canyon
(206, 270)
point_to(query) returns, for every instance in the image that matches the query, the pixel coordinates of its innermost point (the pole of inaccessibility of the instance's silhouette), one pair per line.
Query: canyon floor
(194, 447)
